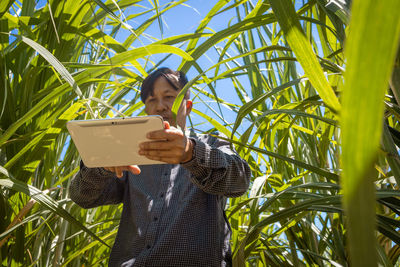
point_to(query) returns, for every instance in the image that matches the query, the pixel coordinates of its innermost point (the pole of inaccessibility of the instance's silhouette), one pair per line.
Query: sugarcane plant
(315, 111)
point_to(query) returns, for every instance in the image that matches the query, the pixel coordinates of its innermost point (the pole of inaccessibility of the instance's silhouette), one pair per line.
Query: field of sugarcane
(316, 109)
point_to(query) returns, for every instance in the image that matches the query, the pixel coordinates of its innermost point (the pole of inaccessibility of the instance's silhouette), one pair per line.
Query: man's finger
(118, 172)
(160, 135)
(162, 153)
(166, 134)
(155, 145)
(134, 169)
(166, 125)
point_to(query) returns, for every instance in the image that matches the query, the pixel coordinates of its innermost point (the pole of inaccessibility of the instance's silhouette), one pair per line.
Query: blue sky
(181, 20)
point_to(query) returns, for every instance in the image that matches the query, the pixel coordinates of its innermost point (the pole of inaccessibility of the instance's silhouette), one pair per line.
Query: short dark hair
(177, 79)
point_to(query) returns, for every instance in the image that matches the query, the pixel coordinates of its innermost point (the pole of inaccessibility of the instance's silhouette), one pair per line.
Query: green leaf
(54, 62)
(41, 143)
(288, 20)
(4, 6)
(117, 60)
(317, 170)
(392, 155)
(89, 246)
(370, 50)
(46, 202)
(251, 105)
(341, 9)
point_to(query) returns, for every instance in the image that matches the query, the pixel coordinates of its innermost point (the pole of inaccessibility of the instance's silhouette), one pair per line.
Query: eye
(169, 96)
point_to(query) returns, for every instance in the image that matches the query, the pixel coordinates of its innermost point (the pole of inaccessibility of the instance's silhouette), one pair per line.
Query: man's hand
(118, 170)
(169, 145)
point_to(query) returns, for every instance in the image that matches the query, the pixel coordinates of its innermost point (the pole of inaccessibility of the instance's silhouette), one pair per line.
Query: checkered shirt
(173, 215)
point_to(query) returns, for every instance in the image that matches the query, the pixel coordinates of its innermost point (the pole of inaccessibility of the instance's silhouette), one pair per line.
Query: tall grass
(301, 99)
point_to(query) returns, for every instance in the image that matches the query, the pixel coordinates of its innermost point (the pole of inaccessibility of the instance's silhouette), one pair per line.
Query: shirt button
(202, 161)
(155, 219)
(148, 246)
(162, 195)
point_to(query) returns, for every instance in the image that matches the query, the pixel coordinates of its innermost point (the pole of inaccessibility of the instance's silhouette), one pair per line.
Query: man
(173, 214)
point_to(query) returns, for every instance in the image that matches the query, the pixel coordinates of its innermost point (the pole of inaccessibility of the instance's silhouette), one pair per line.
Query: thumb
(166, 125)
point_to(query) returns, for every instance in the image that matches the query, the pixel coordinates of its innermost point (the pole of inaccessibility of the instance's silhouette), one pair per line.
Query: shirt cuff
(97, 177)
(204, 159)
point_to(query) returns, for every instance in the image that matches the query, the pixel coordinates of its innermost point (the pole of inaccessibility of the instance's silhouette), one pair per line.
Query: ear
(189, 105)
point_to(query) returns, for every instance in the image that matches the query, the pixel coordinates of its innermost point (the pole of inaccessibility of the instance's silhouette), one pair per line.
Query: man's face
(160, 103)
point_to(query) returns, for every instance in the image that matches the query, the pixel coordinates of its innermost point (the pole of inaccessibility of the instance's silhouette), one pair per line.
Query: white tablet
(113, 142)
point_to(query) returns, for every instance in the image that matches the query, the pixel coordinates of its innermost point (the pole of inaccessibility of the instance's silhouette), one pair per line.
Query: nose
(161, 105)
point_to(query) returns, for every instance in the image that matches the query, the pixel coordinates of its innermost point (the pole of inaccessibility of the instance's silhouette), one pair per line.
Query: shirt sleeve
(92, 187)
(217, 169)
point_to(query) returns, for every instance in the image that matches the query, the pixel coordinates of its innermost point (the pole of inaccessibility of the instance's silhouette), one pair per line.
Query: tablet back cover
(113, 142)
